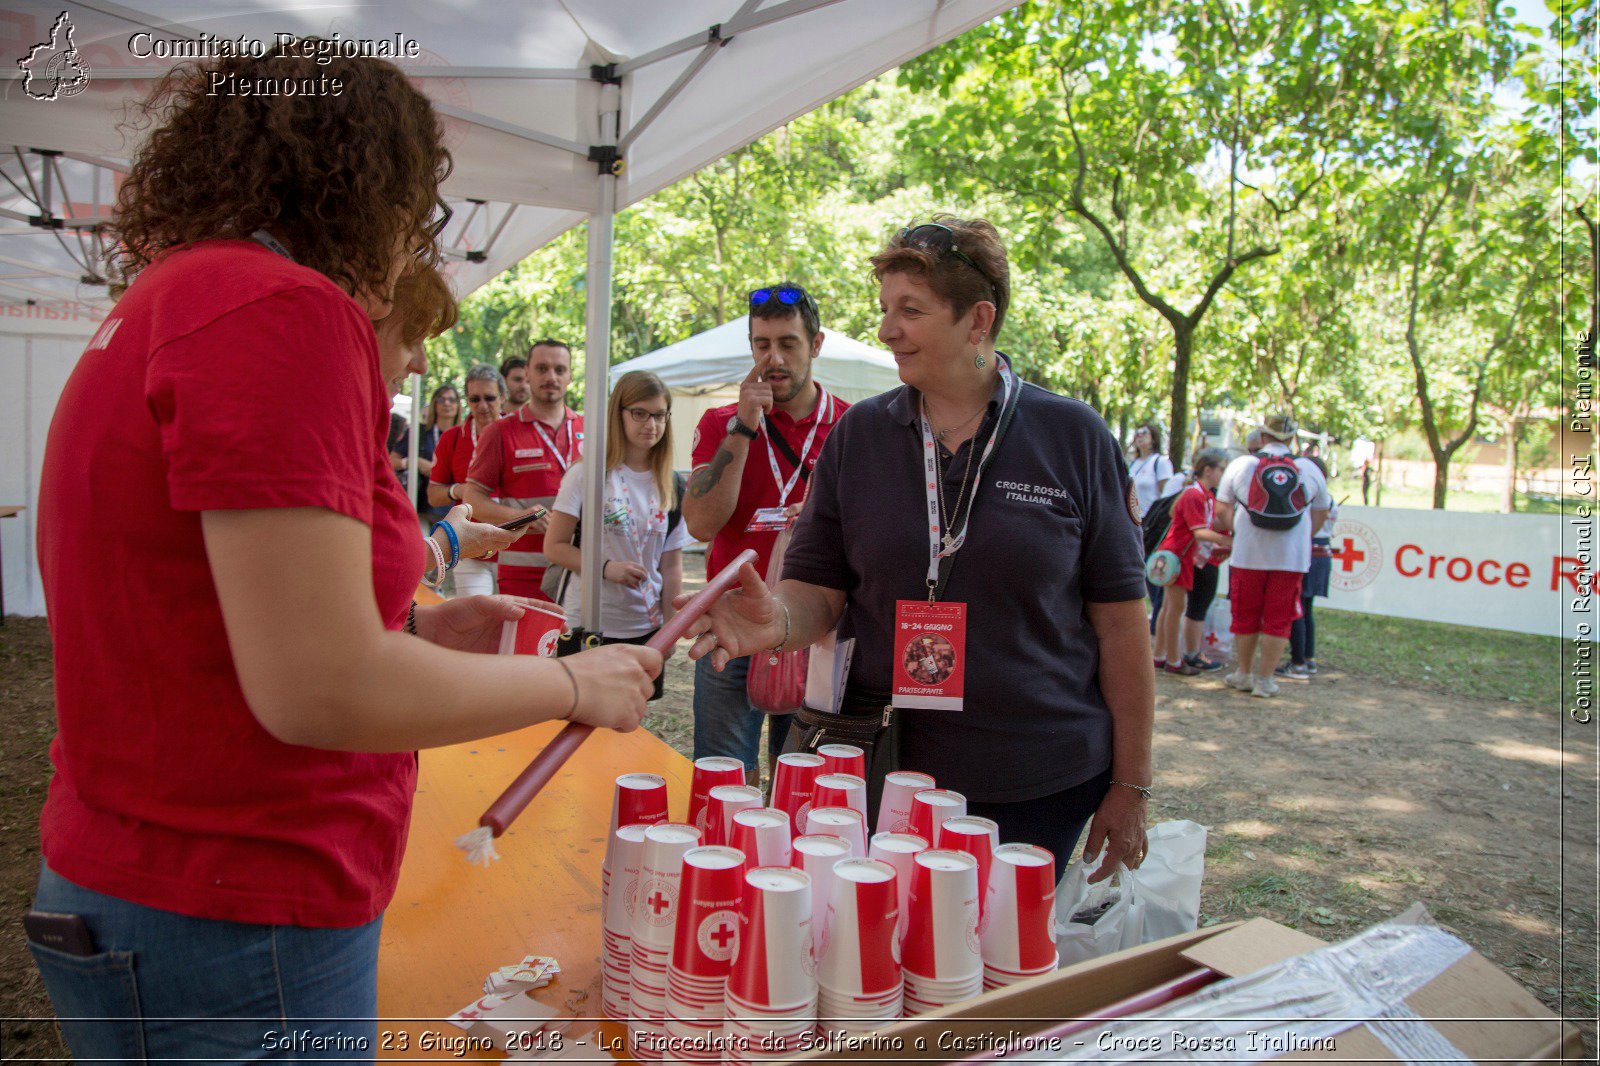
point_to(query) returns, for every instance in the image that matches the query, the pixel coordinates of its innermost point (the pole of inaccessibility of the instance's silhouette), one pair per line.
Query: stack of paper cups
(1018, 933)
(762, 833)
(706, 935)
(846, 822)
(858, 972)
(898, 850)
(843, 759)
(931, 808)
(772, 985)
(942, 957)
(654, 923)
(639, 799)
(816, 855)
(709, 772)
(793, 779)
(840, 790)
(977, 837)
(722, 802)
(616, 921)
(894, 807)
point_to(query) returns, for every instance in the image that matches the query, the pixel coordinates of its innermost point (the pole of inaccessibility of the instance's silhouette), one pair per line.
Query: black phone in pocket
(67, 933)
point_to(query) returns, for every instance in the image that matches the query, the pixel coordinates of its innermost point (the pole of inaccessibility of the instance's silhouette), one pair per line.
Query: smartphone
(533, 516)
(68, 933)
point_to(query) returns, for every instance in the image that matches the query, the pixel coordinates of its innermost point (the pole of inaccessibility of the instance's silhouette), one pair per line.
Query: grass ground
(1348, 489)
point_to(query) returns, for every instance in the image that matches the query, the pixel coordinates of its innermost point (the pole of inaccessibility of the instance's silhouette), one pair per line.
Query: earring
(979, 361)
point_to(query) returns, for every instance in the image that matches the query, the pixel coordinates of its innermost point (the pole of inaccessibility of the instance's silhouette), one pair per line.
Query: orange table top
(451, 923)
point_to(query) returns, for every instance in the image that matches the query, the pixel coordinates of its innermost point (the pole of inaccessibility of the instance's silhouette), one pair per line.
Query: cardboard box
(1457, 1000)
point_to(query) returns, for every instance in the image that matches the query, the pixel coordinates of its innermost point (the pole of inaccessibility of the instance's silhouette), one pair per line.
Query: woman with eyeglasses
(452, 458)
(242, 675)
(971, 507)
(442, 413)
(642, 535)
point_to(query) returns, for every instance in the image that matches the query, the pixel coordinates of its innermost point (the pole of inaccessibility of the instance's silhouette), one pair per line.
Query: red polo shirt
(452, 456)
(520, 461)
(757, 486)
(168, 792)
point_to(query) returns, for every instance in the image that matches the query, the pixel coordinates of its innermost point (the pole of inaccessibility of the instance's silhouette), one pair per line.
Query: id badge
(767, 520)
(930, 650)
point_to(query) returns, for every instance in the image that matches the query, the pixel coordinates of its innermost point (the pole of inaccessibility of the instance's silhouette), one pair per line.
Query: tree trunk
(1122, 425)
(1441, 478)
(1183, 344)
(1377, 475)
(1509, 504)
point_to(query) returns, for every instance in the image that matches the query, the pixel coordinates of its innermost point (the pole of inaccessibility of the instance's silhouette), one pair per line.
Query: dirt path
(1332, 806)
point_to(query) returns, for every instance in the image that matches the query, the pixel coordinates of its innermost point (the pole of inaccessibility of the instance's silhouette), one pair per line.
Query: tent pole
(596, 365)
(412, 443)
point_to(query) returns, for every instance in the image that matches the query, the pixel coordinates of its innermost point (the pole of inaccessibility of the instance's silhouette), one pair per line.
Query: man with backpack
(1270, 502)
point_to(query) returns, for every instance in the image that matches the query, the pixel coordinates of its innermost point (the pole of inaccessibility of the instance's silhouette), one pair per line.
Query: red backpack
(1277, 496)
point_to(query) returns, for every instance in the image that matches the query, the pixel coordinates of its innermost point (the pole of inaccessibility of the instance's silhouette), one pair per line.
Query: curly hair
(423, 305)
(343, 178)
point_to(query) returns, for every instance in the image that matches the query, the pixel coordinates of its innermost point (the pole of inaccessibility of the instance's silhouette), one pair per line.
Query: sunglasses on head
(941, 240)
(789, 295)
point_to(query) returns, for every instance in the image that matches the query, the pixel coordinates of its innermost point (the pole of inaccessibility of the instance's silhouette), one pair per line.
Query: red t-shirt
(452, 456)
(757, 487)
(168, 792)
(1191, 511)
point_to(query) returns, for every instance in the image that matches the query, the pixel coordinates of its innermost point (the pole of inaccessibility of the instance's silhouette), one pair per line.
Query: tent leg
(596, 366)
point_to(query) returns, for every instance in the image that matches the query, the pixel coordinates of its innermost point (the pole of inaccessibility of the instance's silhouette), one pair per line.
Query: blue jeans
(724, 722)
(167, 986)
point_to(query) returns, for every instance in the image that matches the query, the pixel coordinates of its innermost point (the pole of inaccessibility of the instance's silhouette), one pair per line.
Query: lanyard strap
(940, 557)
(786, 487)
(271, 243)
(564, 460)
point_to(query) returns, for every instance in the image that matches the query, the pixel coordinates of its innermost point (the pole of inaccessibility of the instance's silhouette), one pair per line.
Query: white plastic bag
(1132, 907)
(1217, 640)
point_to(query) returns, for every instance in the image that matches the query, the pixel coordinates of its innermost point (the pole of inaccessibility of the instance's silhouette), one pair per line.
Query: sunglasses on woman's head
(941, 240)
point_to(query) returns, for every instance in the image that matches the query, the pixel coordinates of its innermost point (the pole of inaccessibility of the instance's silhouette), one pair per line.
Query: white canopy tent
(556, 111)
(704, 371)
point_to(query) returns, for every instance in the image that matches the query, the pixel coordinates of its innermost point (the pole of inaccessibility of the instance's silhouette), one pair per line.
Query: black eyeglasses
(441, 220)
(941, 240)
(788, 295)
(640, 416)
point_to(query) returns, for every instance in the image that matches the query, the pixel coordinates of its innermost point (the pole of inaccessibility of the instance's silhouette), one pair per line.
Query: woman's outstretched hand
(745, 620)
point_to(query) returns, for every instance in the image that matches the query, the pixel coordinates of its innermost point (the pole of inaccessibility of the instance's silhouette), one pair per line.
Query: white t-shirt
(1255, 548)
(1149, 474)
(634, 530)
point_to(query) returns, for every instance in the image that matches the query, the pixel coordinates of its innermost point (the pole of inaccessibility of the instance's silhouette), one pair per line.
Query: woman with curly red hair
(241, 674)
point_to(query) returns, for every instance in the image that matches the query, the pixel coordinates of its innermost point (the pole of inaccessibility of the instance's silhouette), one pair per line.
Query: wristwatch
(736, 426)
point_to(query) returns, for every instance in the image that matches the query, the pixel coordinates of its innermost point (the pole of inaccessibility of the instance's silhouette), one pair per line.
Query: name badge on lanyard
(930, 639)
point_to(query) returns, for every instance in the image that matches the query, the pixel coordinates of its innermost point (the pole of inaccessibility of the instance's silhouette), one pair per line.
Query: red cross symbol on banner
(722, 935)
(1349, 555)
(657, 902)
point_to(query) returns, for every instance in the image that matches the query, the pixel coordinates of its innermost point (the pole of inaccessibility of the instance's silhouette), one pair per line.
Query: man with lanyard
(751, 461)
(519, 462)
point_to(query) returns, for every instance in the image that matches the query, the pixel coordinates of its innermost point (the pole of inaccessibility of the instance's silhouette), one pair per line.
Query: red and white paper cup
(722, 802)
(762, 833)
(1018, 931)
(773, 968)
(840, 790)
(639, 799)
(894, 806)
(616, 938)
(794, 777)
(660, 871)
(977, 837)
(535, 633)
(707, 935)
(931, 807)
(816, 855)
(899, 850)
(843, 759)
(942, 936)
(860, 953)
(709, 772)
(845, 822)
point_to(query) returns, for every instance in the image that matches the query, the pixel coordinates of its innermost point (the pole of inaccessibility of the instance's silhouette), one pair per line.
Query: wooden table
(451, 923)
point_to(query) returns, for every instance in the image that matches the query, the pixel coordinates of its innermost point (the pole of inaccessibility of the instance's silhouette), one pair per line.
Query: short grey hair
(486, 372)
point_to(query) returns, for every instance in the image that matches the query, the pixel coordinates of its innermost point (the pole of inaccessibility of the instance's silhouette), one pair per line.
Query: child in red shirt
(1191, 538)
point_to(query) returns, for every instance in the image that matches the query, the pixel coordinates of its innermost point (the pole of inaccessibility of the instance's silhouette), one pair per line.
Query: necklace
(947, 519)
(940, 434)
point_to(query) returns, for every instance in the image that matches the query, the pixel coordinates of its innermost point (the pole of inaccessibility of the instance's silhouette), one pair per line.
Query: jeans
(1051, 822)
(1303, 635)
(167, 986)
(724, 722)
(1157, 593)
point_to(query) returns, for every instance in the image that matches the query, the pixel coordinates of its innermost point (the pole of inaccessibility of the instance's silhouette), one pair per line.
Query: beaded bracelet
(438, 565)
(450, 535)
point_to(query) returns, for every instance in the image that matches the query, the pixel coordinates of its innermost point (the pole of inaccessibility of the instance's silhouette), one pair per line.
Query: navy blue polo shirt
(1050, 532)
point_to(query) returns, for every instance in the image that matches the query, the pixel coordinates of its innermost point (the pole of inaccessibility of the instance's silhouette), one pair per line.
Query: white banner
(1515, 572)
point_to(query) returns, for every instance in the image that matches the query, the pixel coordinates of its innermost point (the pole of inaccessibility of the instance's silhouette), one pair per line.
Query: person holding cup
(969, 496)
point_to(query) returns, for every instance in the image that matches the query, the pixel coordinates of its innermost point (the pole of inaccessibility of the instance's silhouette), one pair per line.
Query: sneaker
(1298, 672)
(1204, 665)
(1311, 665)
(1281, 670)
(1239, 680)
(1265, 688)
(1182, 669)
(1160, 663)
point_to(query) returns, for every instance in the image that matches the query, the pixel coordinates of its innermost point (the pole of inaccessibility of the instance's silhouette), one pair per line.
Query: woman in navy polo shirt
(1008, 506)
